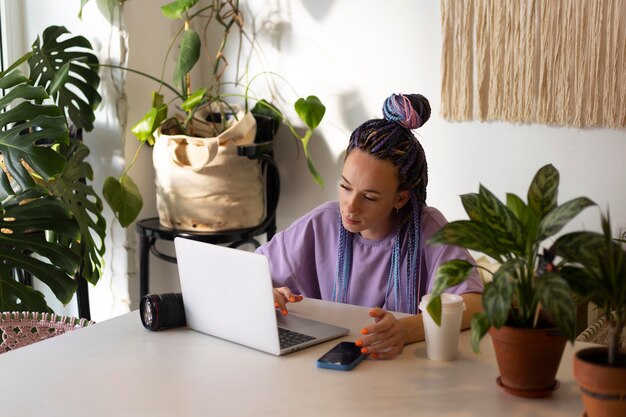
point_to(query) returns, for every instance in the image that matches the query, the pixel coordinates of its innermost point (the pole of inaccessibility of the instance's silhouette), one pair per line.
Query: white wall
(353, 54)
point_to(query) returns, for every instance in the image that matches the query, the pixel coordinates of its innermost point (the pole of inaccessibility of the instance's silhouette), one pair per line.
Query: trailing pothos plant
(228, 17)
(594, 265)
(526, 284)
(51, 222)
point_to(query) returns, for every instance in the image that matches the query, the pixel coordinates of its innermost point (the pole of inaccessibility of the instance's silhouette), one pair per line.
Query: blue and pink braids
(391, 138)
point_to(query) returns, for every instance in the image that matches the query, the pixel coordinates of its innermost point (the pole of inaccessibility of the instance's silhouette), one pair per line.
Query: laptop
(228, 293)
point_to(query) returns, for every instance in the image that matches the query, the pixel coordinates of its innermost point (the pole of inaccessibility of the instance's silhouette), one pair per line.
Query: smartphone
(343, 357)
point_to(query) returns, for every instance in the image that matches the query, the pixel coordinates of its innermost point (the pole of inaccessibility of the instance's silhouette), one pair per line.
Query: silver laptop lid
(215, 279)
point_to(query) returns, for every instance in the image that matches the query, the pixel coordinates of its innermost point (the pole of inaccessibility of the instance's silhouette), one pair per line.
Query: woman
(370, 248)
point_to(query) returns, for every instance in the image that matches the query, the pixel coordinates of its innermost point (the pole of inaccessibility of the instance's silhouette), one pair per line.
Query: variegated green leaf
(543, 190)
(524, 215)
(498, 294)
(472, 206)
(501, 221)
(558, 217)
(450, 274)
(597, 268)
(434, 309)
(583, 282)
(470, 235)
(480, 327)
(555, 297)
(580, 247)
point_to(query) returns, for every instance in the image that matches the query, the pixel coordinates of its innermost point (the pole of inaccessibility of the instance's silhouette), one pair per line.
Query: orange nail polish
(358, 342)
(276, 305)
(364, 350)
(364, 331)
(300, 298)
(292, 299)
(375, 355)
(284, 312)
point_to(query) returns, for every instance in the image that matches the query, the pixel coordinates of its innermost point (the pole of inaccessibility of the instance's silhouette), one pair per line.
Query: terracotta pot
(602, 387)
(528, 359)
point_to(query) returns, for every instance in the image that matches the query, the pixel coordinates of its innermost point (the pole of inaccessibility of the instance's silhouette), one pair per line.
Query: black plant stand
(150, 230)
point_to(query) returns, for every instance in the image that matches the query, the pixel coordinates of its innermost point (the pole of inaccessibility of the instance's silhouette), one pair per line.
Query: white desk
(117, 368)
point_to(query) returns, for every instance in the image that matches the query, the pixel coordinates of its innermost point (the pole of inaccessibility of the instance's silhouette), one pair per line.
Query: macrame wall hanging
(559, 62)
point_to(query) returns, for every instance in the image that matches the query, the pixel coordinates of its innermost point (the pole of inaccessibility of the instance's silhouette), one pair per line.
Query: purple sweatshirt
(303, 257)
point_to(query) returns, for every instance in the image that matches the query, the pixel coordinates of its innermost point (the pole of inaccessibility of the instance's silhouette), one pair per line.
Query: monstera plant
(51, 223)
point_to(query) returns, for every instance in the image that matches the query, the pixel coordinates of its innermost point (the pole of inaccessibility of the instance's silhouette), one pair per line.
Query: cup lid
(448, 301)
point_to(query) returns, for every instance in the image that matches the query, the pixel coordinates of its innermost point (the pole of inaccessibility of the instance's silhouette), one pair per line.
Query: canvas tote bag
(201, 182)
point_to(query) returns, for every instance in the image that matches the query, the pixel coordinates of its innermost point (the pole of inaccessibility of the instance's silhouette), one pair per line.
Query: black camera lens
(162, 311)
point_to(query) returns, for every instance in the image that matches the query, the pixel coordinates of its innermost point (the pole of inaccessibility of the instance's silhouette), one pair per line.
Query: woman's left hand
(385, 338)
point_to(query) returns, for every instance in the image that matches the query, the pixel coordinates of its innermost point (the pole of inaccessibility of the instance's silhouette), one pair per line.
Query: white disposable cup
(442, 342)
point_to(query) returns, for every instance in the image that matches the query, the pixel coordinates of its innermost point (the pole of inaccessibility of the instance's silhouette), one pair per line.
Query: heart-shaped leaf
(124, 198)
(311, 111)
(175, 9)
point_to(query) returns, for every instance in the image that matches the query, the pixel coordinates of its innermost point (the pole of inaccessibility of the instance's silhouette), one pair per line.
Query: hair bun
(410, 110)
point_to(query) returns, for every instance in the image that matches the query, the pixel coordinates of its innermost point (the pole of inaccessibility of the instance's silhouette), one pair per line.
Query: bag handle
(193, 153)
(196, 153)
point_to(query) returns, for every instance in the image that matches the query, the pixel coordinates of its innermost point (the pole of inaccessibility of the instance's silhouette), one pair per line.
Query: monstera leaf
(85, 206)
(65, 66)
(27, 218)
(27, 132)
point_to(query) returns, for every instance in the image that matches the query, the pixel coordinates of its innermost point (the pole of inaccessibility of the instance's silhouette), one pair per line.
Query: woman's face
(368, 195)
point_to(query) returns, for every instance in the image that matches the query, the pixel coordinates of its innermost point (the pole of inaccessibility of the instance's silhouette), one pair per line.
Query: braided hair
(392, 139)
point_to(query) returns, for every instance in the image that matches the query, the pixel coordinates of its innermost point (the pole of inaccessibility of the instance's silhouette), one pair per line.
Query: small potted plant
(529, 310)
(199, 177)
(595, 268)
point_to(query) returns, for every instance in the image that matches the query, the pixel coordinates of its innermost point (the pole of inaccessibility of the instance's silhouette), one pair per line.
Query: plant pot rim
(554, 330)
(581, 354)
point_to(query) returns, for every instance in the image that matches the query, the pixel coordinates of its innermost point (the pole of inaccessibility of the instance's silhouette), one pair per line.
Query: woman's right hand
(282, 296)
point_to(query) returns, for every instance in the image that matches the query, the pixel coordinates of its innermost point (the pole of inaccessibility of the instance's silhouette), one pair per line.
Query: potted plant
(595, 268)
(51, 223)
(209, 115)
(529, 310)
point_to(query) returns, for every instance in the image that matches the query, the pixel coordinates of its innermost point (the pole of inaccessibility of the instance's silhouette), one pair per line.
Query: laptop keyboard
(290, 338)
